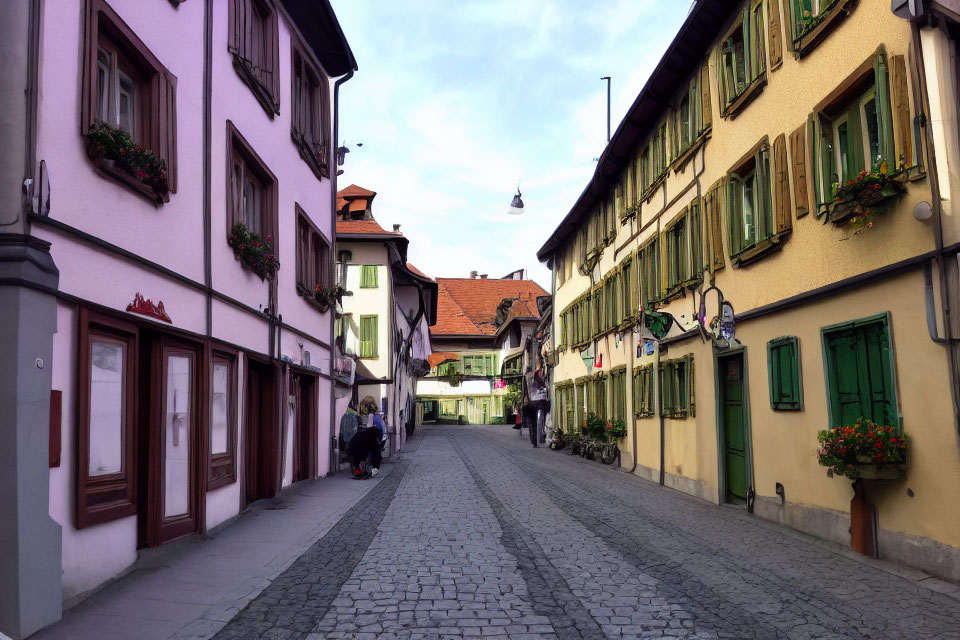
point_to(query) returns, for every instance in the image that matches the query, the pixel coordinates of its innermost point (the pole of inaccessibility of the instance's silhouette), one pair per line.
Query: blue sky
(455, 101)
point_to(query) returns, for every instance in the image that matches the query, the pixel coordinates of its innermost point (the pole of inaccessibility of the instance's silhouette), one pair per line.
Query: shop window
(310, 121)
(251, 191)
(741, 71)
(860, 369)
(222, 445)
(106, 469)
(369, 337)
(126, 87)
(783, 369)
(448, 407)
(676, 388)
(812, 20)
(313, 257)
(253, 41)
(368, 276)
(643, 391)
(864, 126)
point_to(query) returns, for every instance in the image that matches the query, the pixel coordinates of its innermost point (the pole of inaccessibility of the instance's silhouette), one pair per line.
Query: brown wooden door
(304, 390)
(173, 476)
(261, 433)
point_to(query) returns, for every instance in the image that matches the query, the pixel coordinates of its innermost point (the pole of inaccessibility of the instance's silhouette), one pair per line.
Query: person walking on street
(366, 444)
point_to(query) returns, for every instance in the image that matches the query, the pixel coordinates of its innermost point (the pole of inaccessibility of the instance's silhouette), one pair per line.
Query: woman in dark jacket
(365, 443)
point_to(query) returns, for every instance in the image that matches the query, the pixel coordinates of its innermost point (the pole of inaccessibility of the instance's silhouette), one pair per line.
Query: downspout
(333, 447)
(633, 353)
(655, 374)
(207, 160)
(942, 273)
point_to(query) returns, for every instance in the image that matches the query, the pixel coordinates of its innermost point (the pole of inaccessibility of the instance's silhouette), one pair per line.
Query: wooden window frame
(804, 38)
(256, 52)
(239, 150)
(775, 350)
(310, 127)
(156, 108)
(376, 342)
(313, 257)
(643, 391)
(757, 166)
(885, 77)
(222, 467)
(110, 497)
(751, 30)
(365, 282)
(649, 260)
(677, 397)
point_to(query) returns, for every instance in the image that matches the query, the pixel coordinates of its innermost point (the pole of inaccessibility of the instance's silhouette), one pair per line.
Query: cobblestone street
(477, 534)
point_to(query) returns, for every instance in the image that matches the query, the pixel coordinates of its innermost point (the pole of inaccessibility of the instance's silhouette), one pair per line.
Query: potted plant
(616, 430)
(327, 297)
(115, 153)
(863, 450)
(558, 442)
(858, 202)
(253, 252)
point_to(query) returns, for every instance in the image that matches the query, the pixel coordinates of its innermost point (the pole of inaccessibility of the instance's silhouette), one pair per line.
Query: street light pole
(607, 78)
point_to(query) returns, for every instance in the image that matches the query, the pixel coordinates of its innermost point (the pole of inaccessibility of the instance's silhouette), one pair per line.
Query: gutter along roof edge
(702, 12)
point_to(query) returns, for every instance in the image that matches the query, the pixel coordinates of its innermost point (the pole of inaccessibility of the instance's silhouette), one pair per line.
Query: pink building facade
(189, 147)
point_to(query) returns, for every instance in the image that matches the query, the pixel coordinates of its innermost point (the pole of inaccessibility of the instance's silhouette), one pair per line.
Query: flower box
(880, 471)
(115, 155)
(253, 252)
(858, 202)
(863, 450)
(326, 297)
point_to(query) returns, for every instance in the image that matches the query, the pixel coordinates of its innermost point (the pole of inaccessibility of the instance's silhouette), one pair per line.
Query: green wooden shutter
(368, 276)
(783, 370)
(859, 373)
(883, 110)
(368, 336)
(734, 214)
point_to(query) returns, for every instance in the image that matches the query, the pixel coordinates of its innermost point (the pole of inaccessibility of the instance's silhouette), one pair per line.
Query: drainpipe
(942, 270)
(633, 352)
(334, 456)
(207, 161)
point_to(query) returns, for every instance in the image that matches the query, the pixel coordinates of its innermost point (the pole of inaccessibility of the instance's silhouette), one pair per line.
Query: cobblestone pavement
(476, 534)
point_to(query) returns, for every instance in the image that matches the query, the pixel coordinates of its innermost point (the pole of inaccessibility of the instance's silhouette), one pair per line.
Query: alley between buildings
(476, 533)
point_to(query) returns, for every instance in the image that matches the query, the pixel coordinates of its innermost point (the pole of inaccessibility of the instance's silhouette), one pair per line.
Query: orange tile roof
(417, 271)
(468, 306)
(440, 357)
(362, 226)
(355, 191)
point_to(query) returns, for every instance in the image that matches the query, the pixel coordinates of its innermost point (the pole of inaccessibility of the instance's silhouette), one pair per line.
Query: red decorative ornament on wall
(146, 307)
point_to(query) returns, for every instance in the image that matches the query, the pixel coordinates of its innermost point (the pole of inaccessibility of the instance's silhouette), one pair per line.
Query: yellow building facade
(736, 173)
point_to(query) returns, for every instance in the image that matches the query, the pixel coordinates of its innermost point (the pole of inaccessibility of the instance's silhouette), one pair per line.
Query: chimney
(483, 276)
(473, 275)
(396, 228)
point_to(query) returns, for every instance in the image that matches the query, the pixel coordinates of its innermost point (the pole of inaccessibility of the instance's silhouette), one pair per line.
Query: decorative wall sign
(145, 307)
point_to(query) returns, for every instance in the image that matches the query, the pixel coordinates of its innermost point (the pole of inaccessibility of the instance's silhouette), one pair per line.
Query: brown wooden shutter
(715, 224)
(782, 218)
(88, 98)
(776, 34)
(235, 38)
(707, 111)
(900, 104)
(798, 165)
(162, 131)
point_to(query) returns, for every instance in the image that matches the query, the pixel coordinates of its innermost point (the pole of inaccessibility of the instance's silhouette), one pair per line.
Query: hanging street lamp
(516, 207)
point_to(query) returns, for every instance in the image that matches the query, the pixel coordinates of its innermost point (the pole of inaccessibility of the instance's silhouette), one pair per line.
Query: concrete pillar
(30, 541)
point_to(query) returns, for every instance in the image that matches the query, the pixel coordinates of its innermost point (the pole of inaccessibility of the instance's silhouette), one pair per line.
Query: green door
(735, 442)
(859, 375)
